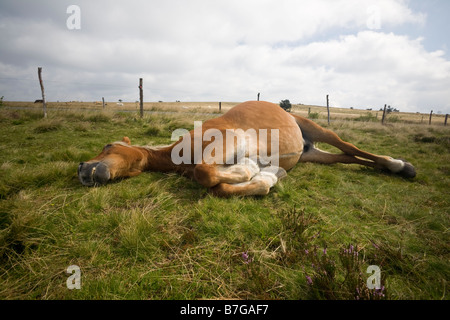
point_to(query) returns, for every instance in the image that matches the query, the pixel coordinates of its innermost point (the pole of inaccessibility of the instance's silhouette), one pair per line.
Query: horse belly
(290, 147)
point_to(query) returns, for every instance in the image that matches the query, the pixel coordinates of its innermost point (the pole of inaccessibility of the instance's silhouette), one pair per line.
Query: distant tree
(1, 101)
(286, 105)
(390, 109)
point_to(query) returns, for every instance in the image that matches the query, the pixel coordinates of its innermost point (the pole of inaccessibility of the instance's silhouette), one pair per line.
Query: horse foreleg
(244, 178)
(260, 184)
(210, 175)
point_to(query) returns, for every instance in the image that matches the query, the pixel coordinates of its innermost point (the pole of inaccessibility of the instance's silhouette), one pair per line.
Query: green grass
(163, 236)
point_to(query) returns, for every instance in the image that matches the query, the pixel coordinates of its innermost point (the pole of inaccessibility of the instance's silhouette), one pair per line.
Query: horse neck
(159, 159)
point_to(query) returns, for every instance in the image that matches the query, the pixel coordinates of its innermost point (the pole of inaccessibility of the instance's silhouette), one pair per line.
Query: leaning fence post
(384, 115)
(328, 110)
(446, 118)
(431, 115)
(141, 98)
(44, 104)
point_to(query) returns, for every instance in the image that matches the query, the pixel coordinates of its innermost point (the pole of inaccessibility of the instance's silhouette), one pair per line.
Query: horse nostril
(93, 173)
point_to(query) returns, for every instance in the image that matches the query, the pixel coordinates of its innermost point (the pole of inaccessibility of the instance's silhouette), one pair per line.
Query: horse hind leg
(319, 156)
(315, 133)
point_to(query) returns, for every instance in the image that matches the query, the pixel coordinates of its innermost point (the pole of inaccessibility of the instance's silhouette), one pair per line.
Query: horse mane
(153, 148)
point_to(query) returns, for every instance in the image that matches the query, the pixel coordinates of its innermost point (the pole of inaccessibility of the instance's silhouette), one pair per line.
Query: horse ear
(126, 140)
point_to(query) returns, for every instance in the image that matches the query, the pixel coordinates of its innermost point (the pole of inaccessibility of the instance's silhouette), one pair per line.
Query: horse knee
(222, 190)
(251, 188)
(205, 175)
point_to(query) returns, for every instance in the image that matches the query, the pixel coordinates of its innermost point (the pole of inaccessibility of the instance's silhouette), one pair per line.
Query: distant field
(163, 236)
(213, 107)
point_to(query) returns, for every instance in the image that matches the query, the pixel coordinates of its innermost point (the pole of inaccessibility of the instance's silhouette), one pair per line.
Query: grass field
(163, 236)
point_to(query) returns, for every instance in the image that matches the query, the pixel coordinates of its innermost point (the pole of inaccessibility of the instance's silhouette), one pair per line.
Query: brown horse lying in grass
(244, 152)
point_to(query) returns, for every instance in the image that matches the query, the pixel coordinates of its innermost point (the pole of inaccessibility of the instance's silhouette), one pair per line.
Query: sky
(362, 53)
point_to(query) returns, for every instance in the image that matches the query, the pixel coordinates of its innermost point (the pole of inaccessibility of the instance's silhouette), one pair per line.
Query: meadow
(163, 236)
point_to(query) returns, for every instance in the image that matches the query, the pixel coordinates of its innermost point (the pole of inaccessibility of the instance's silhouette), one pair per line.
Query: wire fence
(312, 112)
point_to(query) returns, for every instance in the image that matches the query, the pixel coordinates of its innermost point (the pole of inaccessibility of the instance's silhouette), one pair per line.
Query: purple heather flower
(324, 250)
(309, 280)
(379, 292)
(306, 251)
(358, 293)
(246, 257)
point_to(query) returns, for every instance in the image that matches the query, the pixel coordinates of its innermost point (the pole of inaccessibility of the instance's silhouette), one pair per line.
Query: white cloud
(227, 50)
(225, 23)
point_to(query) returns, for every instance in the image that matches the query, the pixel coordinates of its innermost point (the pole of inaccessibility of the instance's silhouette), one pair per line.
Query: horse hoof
(408, 171)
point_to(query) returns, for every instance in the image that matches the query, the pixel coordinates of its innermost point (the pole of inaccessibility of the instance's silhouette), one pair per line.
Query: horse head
(117, 160)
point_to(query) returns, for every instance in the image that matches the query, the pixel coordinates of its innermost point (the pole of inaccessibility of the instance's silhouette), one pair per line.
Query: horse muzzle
(93, 173)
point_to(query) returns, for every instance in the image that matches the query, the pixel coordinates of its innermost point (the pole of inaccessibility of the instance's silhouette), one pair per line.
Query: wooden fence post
(103, 102)
(141, 98)
(328, 110)
(258, 96)
(431, 115)
(384, 115)
(44, 104)
(220, 106)
(446, 118)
